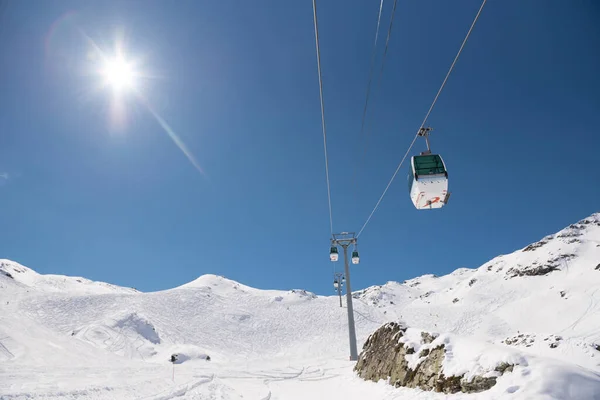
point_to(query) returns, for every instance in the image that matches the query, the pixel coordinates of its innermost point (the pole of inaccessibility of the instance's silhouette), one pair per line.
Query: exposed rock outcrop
(536, 245)
(304, 293)
(386, 356)
(534, 269)
(528, 340)
(531, 271)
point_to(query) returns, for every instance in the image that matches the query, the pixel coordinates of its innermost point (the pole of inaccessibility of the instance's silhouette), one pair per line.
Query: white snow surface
(72, 338)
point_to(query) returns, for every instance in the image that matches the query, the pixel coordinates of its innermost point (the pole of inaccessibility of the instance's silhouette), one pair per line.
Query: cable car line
(387, 40)
(452, 66)
(373, 54)
(424, 120)
(322, 114)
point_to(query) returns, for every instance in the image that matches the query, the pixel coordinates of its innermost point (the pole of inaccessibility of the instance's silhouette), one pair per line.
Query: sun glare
(119, 74)
(124, 76)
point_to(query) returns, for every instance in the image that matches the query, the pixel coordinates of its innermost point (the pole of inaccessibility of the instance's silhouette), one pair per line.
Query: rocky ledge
(389, 355)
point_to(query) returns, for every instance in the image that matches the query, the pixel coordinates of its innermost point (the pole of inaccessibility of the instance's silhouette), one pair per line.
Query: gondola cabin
(355, 258)
(428, 181)
(333, 253)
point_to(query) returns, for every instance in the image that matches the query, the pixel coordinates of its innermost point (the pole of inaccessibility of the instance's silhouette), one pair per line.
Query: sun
(119, 74)
(127, 76)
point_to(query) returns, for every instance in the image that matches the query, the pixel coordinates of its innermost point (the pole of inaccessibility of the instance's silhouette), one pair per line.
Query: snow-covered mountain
(546, 293)
(66, 337)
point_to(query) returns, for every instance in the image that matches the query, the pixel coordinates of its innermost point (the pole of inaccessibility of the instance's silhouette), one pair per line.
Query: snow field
(71, 338)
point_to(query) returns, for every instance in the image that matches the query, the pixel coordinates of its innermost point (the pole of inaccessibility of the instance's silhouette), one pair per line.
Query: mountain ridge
(568, 235)
(542, 300)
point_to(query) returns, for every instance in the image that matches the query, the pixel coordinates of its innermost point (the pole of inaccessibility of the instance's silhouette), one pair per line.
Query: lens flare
(176, 139)
(123, 75)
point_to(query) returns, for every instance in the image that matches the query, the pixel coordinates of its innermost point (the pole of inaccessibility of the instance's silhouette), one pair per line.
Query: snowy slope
(65, 337)
(500, 302)
(56, 283)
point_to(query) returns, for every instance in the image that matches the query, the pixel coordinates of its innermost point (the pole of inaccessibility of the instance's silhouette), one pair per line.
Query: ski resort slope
(71, 338)
(547, 292)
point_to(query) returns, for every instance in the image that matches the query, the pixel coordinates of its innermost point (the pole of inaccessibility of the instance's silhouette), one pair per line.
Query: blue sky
(237, 82)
